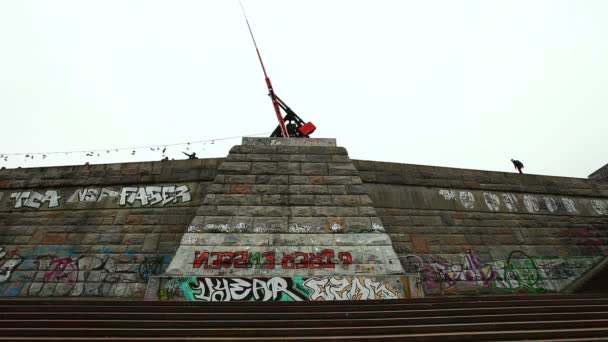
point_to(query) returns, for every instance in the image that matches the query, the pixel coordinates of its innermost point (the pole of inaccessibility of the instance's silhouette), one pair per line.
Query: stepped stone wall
(106, 230)
(294, 210)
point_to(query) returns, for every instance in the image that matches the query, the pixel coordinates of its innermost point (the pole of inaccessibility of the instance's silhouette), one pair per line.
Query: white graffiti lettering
(240, 227)
(377, 228)
(349, 288)
(8, 264)
(34, 199)
(233, 289)
(265, 228)
(569, 204)
(194, 229)
(296, 228)
(152, 195)
(600, 207)
(551, 204)
(531, 203)
(492, 201)
(467, 199)
(510, 201)
(448, 194)
(222, 228)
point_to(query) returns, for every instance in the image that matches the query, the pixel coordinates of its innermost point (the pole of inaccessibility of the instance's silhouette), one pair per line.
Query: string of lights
(98, 152)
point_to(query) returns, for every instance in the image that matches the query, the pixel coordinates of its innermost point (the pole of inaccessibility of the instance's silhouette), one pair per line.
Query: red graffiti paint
(267, 260)
(62, 268)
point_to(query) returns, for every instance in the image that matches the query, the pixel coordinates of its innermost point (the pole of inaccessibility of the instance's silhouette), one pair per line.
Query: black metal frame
(292, 122)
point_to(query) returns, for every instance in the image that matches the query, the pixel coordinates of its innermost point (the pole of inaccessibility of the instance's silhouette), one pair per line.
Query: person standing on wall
(518, 165)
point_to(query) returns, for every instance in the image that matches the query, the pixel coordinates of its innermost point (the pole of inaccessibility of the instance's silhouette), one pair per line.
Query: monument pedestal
(285, 219)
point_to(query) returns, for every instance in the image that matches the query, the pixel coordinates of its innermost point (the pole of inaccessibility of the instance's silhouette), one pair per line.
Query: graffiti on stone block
(61, 271)
(142, 196)
(531, 203)
(519, 272)
(220, 289)
(600, 207)
(127, 196)
(152, 195)
(349, 288)
(492, 201)
(412, 264)
(92, 195)
(471, 268)
(523, 273)
(8, 262)
(369, 269)
(35, 199)
(327, 258)
(236, 289)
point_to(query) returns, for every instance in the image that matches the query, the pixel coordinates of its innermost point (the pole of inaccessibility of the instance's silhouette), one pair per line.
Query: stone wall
(600, 174)
(99, 230)
(477, 231)
(104, 230)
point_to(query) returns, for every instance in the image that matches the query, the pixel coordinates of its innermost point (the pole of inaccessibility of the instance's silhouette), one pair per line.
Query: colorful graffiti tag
(224, 289)
(518, 273)
(61, 271)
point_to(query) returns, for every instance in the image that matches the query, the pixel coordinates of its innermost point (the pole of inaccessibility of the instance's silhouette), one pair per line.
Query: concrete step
(60, 322)
(497, 318)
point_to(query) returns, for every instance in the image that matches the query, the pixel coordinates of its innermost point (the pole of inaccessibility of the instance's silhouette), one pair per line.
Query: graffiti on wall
(353, 288)
(519, 272)
(327, 258)
(34, 199)
(224, 289)
(8, 262)
(524, 203)
(58, 271)
(471, 268)
(235, 289)
(142, 196)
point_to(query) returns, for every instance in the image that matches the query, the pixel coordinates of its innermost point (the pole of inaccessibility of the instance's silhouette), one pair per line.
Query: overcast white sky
(467, 84)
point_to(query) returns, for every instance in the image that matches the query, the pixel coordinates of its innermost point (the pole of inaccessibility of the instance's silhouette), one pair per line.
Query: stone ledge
(251, 141)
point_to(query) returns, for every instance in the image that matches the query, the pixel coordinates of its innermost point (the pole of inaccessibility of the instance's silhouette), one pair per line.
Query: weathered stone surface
(306, 203)
(85, 244)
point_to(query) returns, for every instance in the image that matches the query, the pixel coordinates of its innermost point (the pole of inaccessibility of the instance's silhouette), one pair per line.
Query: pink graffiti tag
(62, 268)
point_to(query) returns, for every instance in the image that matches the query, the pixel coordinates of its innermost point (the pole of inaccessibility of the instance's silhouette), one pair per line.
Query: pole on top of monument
(273, 97)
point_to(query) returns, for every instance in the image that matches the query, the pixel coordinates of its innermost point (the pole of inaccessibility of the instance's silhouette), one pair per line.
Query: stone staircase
(580, 317)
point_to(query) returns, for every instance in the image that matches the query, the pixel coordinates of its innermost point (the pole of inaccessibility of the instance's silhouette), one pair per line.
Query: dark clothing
(518, 165)
(191, 156)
